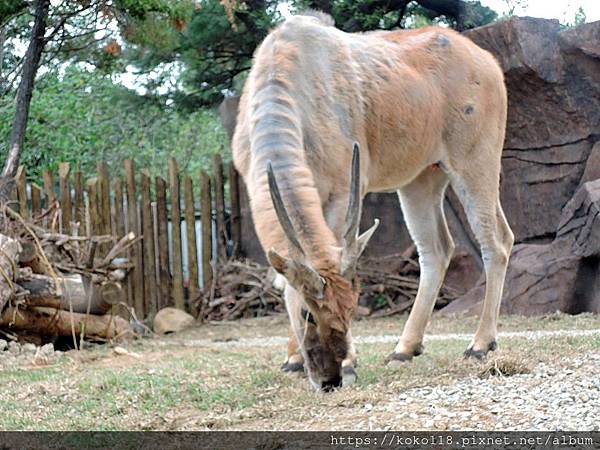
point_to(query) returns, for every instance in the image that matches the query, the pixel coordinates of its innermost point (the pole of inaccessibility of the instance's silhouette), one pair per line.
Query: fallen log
(54, 322)
(74, 294)
(9, 256)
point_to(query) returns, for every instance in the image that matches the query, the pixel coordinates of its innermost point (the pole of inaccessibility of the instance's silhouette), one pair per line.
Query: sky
(564, 10)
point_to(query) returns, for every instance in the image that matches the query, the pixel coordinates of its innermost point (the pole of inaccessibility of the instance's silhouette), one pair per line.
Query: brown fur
(412, 99)
(341, 299)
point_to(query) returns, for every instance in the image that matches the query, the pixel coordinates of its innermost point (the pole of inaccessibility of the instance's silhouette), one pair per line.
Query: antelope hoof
(292, 367)
(349, 376)
(397, 359)
(480, 354)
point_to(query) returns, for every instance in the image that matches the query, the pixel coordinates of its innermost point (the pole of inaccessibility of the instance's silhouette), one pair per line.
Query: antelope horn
(281, 211)
(354, 244)
(353, 213)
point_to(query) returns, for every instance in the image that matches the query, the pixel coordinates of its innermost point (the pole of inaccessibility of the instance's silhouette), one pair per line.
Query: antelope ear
(301, 276)
(312, 283)
(279, 263)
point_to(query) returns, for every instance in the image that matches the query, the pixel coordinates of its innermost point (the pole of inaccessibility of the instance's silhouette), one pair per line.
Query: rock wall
(553, 81)
(563, 275)
(552, 144)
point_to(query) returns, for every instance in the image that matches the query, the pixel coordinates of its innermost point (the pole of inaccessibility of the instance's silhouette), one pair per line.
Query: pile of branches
(53, 284)
(390, 284)
(240, 289)
(243, 289)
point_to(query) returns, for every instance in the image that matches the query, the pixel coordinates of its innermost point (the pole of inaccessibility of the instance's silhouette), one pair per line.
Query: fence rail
(187, 224)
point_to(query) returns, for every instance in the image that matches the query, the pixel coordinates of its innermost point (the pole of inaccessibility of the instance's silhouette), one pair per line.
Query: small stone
(368, 406)
(584, 397)
(47, 349)
(120, 351)
(172, 320)
(3, 345)
(14, 347)
(28, 348)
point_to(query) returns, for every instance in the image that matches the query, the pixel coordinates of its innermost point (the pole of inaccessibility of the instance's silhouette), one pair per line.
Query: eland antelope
(326, 117)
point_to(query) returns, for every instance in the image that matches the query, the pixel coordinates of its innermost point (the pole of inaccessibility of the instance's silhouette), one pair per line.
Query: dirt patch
(224, 377)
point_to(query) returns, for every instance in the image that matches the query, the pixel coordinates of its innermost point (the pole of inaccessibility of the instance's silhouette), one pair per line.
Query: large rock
(553, 81)
(172, 320)
(561, 276)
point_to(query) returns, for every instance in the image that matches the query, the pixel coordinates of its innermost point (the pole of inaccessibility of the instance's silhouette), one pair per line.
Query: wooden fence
(183, 235)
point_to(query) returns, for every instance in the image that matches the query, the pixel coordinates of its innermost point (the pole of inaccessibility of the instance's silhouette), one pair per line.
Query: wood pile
(53, 284)
(242, 289)
(390, 284)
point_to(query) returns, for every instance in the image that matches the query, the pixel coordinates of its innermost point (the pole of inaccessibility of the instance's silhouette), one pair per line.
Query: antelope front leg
(424, 214)
(294, 361)
(348, 372)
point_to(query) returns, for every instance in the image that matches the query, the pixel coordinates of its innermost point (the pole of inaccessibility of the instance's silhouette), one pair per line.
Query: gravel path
(548, 398)
(274, 341)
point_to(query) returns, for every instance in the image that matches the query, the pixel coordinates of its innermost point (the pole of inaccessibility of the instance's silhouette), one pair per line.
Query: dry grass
(505, 366)
(171, 387)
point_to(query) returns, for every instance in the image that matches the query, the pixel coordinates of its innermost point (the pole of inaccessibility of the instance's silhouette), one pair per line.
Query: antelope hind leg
(486, 218)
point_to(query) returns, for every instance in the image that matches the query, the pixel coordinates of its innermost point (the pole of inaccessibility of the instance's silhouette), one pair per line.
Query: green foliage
(215, 47)
(84, 118)
(9, 8)
(580, 17)
(513, 5)
(479, 15)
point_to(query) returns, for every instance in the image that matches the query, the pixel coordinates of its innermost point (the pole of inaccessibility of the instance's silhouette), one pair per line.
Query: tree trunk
(2, 41)
(25, 90)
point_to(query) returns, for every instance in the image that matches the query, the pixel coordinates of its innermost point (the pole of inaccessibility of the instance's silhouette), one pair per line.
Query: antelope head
(328, 292)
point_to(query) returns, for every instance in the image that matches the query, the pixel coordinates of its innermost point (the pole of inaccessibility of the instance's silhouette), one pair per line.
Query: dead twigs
(245, 289)
(53, 283)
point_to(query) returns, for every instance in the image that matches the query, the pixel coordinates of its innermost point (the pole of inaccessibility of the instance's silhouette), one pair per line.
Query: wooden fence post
(206, 212)
(162, 225)
(49, 188)
(104, 205)
(36, 200)
(154, 212)
(190, 221)
(64, 169)
(21, 181)
(176, 234)
(148, 246)
(79, 202)
(220, 209)
(94, 211)
(50, 195)
(135, 254)
(236, 225)
(118, 205)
